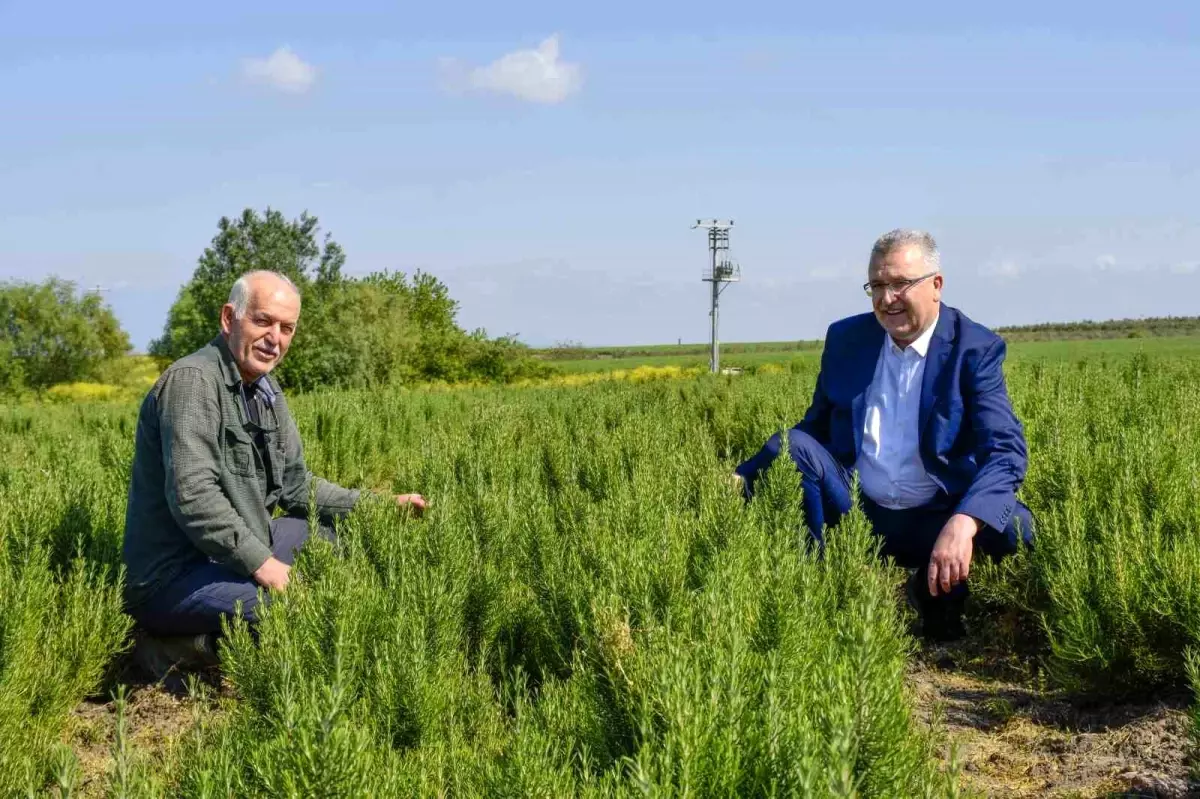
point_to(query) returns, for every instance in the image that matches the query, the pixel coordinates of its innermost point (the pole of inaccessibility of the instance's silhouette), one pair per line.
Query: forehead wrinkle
(280, 295)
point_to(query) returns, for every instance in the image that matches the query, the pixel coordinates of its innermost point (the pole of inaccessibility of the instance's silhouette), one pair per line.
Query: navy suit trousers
(907, 535)
(195, 602)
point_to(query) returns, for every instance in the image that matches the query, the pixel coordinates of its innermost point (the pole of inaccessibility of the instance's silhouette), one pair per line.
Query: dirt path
(156, 718)
(1016, 741)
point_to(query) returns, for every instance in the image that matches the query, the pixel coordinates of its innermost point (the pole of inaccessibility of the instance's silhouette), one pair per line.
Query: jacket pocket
(238, 452)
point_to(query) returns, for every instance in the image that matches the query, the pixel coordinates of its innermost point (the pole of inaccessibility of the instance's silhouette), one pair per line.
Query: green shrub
(589, 608)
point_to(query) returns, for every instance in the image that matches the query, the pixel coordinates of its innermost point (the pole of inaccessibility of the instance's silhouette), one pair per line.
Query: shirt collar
(263, 387)
(921, 345)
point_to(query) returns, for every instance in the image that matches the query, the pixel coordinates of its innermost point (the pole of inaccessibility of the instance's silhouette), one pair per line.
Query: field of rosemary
(589, 608)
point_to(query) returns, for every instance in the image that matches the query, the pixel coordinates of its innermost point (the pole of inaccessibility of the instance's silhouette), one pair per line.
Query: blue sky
(547, 161)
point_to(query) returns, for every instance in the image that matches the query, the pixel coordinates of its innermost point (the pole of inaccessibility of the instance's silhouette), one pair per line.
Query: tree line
(386, 327)
(1112, 328)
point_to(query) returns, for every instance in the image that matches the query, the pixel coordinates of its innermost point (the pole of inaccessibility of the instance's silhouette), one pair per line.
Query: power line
(721, 272)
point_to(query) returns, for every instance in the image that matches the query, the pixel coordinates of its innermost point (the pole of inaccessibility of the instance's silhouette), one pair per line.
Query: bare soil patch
(157, 716)
(1015, 740)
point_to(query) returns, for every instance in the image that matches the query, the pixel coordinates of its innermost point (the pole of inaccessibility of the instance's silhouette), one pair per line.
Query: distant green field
(1118, 347)
(728, 359)
(786, 353)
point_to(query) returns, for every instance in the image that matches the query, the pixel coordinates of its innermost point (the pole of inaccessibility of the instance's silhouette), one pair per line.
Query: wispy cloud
(1106, 262)
(536, 76)
(282, 70)
(1001, 268)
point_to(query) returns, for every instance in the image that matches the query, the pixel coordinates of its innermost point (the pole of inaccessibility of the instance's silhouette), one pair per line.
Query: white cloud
(282, 70)
(1106, 262)
(537, 76)
(1185, 267)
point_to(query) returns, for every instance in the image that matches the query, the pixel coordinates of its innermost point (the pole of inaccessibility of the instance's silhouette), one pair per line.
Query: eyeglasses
(898, 288)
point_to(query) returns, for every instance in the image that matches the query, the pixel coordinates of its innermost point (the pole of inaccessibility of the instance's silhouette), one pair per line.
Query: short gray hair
(239, 295)
(907, 237)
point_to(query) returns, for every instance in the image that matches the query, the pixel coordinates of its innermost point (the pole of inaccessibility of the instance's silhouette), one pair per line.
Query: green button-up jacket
(200, 489)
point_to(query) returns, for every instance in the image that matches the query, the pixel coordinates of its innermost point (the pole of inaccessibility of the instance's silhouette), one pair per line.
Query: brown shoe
(163, 657)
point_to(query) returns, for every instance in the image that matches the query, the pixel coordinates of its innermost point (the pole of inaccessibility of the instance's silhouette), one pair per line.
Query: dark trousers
(906, 535)
(196, 600)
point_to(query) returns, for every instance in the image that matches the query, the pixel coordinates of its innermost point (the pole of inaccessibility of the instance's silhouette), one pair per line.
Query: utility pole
(720, 273)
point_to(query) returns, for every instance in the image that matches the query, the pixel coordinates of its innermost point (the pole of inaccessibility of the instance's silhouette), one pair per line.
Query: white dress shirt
(889, 464)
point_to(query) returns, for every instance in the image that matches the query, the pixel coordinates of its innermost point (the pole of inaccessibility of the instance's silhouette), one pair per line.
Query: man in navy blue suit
(912, 398)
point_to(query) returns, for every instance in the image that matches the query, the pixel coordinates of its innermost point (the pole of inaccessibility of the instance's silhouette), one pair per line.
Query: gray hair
(239, 295)
(906, 237)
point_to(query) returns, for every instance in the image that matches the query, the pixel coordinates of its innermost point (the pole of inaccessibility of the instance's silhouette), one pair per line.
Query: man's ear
(226, 318)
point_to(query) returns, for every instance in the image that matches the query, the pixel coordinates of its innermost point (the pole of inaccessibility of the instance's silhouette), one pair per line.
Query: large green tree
(385, 327)
(252, 241)
(51, 334)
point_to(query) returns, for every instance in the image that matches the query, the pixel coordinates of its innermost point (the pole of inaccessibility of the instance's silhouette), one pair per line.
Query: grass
(742, 360)
(590, 609)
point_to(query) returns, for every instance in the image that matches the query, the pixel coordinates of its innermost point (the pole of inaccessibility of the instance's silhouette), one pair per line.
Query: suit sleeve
(815, 423)
(1000, 451)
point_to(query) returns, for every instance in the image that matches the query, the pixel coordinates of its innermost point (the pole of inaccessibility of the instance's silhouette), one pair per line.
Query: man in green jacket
(217, 452)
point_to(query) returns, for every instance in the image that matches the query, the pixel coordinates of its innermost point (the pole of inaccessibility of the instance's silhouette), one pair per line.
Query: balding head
(259, 321)
(258, 281)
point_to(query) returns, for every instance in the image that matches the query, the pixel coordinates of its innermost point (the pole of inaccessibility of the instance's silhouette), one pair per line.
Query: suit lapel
(862, 372)
(935, 359)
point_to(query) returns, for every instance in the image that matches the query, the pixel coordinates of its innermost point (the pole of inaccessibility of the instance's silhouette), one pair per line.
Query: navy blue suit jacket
(971, 442)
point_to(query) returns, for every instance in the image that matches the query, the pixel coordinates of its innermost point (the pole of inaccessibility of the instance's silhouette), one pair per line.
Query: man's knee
(807, 453)
(815, 464)
(290, 533)
(196, 602)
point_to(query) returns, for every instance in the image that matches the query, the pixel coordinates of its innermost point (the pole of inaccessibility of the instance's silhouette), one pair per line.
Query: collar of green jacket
(229, 369)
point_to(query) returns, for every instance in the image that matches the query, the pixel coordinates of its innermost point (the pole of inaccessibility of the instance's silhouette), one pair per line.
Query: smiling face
(905, 313)
(260, 337)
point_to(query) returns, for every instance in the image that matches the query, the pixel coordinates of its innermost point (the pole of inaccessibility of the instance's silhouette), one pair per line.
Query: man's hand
(950, 562)
(417, 502)
(273, 575)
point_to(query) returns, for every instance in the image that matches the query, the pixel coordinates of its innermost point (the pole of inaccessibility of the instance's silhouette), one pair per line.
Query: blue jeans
(196, 600)
(907, 535)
